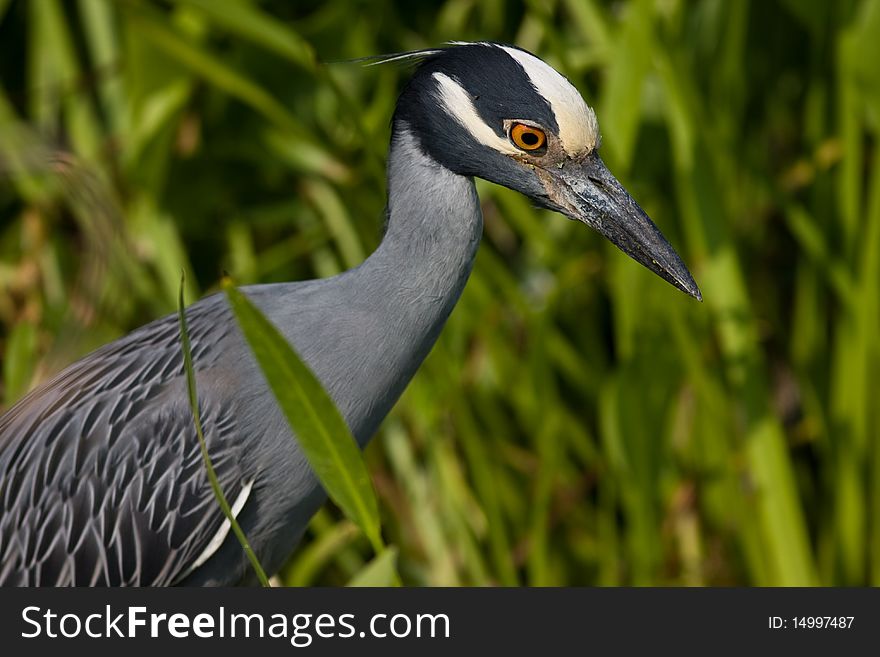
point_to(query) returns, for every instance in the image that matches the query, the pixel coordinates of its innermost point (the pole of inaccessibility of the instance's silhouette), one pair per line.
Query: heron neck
(416, 275)
(434, 225)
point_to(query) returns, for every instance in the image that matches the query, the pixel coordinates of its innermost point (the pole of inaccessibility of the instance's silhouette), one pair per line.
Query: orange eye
(526, 137)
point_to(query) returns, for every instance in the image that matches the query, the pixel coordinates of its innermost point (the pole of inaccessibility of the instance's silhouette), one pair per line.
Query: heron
(101, 477)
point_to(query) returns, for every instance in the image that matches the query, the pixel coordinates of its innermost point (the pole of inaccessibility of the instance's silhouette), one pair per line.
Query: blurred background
(580, 422)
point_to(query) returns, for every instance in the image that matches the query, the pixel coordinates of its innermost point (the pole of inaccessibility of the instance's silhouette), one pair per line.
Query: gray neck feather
(420, 269)
(434, 228)
(387, 312)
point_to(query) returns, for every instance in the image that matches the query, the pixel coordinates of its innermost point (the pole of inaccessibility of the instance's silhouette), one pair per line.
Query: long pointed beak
(588, 192)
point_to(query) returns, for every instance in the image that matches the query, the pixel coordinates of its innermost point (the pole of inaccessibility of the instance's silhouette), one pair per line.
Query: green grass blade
(620, 113)
(322, 432)
(314, 556)
(381, 571)
(209, 467)
(248, 21)
(18, 365)
(213, 69)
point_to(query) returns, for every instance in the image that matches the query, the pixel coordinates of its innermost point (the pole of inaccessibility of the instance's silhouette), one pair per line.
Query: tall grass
(579, 421)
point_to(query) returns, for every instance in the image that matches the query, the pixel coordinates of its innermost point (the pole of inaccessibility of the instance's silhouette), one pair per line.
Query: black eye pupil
(529, 138)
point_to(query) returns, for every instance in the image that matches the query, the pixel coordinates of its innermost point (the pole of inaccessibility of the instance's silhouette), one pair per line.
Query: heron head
(499, 113)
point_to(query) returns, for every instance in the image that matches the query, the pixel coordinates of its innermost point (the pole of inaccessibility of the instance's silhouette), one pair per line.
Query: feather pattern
(102, 475)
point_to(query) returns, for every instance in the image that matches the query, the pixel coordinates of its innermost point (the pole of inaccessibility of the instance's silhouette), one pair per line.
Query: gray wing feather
(101, 476)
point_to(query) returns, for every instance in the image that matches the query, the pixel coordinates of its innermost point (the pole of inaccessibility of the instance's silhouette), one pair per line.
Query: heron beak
(587, 191)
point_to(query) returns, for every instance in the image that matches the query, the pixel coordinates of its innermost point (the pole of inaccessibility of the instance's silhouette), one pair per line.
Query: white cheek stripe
(578, 128)
(459, 105)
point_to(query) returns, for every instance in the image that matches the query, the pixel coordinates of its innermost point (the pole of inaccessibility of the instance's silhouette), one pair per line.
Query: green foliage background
(580, 421)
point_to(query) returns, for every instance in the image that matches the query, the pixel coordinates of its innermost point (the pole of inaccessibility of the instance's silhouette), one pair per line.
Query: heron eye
(526, 137)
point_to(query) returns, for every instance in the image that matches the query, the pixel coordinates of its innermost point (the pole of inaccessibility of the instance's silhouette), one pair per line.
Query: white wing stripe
(222, 532)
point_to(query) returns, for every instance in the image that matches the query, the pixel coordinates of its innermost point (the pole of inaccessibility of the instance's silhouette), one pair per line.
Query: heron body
(101, 477)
